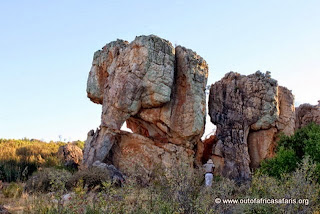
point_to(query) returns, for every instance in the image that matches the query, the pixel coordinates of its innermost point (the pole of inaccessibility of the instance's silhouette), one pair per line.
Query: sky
(46, 50)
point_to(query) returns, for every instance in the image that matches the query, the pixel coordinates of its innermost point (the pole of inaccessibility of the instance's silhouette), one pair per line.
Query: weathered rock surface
(115, 175)
(261, 145)
(208, 145)
(180, 121)
(249, 112)
(98, 145)
(306, 114)
(70, 155)
(137, 154)
(159, 91)
(286, 120)
(125, 77)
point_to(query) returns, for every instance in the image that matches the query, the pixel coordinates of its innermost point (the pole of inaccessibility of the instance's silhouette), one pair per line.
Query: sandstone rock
(180, 121)
(208, 145)
(141, 156)
(159, 91)
(98, 145)
(249, 112)
(104, 62)
(261, 145)
(306, 114)
(70, 155)
(115, 175)
(125, 77)
(286, 121)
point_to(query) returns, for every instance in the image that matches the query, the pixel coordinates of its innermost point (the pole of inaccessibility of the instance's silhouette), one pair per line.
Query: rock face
(306, 114)
(180, 121)
(159, 91)
(115, 175)
(207, 148)
(249, 112)
(286, 120)
(70, 155)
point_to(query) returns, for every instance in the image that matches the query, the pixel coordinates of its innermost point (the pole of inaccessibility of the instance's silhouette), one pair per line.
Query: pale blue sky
(46, 50)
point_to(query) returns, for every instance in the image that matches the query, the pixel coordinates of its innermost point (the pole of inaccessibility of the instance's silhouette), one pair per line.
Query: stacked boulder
(159, 91)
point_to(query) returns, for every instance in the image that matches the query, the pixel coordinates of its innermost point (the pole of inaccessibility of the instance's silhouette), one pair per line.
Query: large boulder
(128, 76)
(70, 155)
(181, 120)
(159, 91)
(249, 112)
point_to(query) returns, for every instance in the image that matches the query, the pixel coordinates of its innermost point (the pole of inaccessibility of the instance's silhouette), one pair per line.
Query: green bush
(284, 161)
(90, 178)
(292, 149)
(14, 190)
(305, 141)
(79, 143)
(48, 179)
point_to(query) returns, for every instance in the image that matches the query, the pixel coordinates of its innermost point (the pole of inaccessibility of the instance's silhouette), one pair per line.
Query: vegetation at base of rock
(48, 179)
(90, 178)
(20, 158)
(183, 192)
(293, 149)
(13, 190)
(284, 161)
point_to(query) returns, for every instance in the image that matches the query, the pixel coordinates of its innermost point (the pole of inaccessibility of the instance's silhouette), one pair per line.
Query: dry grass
(181, 193)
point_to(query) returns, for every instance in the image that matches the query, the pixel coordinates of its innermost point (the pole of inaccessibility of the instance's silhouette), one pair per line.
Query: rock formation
(249, 112)
(306, 114)
(159, 91)
(70, 155)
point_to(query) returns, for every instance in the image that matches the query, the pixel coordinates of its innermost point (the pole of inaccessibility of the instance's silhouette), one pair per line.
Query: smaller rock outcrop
(115, 175)
(306, 114)
(250, 112)
(70, 155)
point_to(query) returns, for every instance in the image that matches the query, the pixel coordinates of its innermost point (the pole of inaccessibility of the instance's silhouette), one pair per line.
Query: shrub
(91, 178)
(14, 190)
(292, 149)
(184, 193)
(48, 179)
(79, 143)
(305, 141)
(296, 185)
(284, 161)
